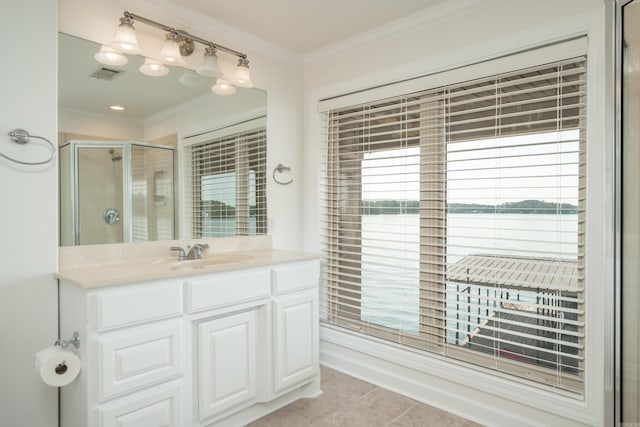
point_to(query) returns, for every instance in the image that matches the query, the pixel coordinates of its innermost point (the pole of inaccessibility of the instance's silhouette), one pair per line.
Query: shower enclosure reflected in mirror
(106, 200)
(115, 192)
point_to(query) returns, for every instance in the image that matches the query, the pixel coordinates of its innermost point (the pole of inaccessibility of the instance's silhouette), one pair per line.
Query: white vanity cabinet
(131, 348)
(213, 349)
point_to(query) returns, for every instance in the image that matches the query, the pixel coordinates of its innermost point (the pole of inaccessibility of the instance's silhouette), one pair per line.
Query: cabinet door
(227, 363)
(296, 339)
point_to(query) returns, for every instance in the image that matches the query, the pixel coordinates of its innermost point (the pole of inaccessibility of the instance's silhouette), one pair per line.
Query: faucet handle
(195, 251)
(181, 254)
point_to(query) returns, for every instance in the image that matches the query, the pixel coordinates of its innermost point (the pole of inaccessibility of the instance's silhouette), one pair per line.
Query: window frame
(355, 203)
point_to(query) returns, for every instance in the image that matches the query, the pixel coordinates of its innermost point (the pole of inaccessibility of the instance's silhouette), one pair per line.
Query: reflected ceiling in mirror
(89, 86)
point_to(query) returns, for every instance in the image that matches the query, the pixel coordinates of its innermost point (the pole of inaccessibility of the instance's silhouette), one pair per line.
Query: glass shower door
(100, 203)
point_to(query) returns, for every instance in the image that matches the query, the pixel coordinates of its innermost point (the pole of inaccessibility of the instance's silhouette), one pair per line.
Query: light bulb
(110, 56)
(223, 87)
(210, 67)
(242, 76)
(153, 68)
(126, 40)
(170, 51)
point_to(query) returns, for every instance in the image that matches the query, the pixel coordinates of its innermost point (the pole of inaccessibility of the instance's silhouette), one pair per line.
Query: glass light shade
(153, 68)
(170, 51)
(223, 87)
(210, 67)
(242, 76)
(110, 56)
(126, 40)
(189, 78)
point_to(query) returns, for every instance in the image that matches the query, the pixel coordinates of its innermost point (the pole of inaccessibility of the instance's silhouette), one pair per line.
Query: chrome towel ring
(281, 168)
(21, 136)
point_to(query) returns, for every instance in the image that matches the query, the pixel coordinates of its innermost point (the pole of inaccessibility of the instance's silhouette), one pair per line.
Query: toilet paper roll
(57, 367)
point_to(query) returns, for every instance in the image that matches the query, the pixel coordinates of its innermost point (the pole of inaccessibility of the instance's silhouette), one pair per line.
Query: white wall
(99, 126)
(275, 70)
(454, 34)
(29, 214)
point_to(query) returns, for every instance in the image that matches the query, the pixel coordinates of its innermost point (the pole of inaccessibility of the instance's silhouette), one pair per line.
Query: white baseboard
(468, 392)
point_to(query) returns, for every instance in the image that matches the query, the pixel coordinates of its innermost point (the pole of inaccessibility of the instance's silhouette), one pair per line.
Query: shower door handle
(111, 216)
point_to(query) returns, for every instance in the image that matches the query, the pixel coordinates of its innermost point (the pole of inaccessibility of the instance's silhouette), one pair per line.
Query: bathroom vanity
(219, 341)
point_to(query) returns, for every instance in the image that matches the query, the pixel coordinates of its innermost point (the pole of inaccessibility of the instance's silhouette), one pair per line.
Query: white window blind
(454, 221)
(226, 184)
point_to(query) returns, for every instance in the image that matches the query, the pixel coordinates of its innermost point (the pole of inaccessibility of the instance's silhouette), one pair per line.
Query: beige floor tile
(387, 402)
(469, 423)
(288, 416)
(422, 415)
(356, 415)
(349, 402)
(334, 382)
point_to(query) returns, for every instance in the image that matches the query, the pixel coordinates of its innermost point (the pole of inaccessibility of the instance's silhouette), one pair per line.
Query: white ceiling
(305, 25)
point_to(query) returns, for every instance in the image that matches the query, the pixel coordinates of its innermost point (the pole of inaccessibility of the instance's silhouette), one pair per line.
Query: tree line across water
(396, 207)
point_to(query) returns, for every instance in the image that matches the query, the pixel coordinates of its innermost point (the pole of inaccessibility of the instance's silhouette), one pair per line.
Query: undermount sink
(217, 259)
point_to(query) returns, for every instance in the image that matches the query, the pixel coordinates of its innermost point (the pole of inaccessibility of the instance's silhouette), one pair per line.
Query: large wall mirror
(155, 157)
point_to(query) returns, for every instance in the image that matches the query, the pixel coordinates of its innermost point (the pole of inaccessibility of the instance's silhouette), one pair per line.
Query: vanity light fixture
(110, 56)
(178, 44)
(117, 107)
(153, 68)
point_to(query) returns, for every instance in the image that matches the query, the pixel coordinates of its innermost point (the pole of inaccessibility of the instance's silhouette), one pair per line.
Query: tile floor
(349, 402)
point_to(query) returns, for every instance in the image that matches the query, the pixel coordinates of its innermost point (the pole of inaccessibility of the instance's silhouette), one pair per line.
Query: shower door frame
(76, 145)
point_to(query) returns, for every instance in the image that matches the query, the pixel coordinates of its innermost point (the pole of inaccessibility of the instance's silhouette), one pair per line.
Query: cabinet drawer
(292, 277)
(135, 304)
(226, 288)
(138, 357)
(160, 406)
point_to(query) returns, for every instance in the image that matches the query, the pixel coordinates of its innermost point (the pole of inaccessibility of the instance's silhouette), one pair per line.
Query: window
(227, 184)
(454, 221)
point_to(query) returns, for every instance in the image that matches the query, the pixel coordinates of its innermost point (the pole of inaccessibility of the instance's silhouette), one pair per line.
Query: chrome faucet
(181, 254)
(195, 251)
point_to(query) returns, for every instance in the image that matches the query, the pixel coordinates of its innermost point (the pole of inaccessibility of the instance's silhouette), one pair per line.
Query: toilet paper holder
(75, 341)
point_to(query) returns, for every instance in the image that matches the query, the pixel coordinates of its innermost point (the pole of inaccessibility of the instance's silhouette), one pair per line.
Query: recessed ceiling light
(117, 107)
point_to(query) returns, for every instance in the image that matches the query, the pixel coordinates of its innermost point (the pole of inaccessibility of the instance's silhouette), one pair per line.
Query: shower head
(115, 157)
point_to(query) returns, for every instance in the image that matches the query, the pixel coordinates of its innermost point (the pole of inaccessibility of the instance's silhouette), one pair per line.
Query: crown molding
(425, 18)
(215, 30)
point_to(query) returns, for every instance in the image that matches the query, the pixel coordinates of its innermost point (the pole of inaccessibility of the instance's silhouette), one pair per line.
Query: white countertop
(94, 266)
(140, 270)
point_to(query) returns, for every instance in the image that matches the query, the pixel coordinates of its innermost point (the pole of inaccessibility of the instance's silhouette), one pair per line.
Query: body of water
(391, 257)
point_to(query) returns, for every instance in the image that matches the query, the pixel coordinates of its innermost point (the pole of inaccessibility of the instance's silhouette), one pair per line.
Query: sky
(542, 166)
